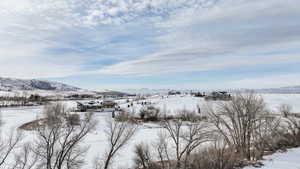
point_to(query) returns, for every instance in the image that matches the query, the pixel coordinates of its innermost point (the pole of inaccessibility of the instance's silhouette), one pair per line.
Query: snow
(171, 104)
(15, 117)
(286, 160)
(275, 100)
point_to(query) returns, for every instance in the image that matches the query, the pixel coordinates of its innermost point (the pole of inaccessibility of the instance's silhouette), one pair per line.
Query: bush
(123, 116)
(54, 113)
(216, 157)
(73, 119)
(150, 113)
(191, 116)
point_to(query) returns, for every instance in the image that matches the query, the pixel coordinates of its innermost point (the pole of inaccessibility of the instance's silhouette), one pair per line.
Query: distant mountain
(112, 93)
(146, 91)
(9, 84)
(288, 89)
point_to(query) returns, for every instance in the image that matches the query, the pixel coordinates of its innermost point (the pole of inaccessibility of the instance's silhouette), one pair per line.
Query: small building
(218, 95)
(109, 105)
(174, 92)
(198, 94)
(100, 106)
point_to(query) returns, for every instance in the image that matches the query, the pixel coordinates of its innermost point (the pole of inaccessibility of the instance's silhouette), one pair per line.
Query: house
(218, 95)
(174, 92)
(199, 94)
(109, 105)
(99, 106)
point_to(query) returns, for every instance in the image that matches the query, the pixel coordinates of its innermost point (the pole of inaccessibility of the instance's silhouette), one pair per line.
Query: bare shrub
(292, 126)
(150, 113)
(186, 115)
(54, 113)
(266, 136)
(124, 116)
(190, 116)
(217, 156)
(73, 119)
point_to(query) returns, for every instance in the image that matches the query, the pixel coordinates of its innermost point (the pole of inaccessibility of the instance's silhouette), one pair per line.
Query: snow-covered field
(274, 100)
(14, 117)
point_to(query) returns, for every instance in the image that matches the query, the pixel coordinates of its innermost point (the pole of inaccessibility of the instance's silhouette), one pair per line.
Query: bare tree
(292, 124)
(238, 120)
(143, 157)
(7, 145)
(118, 135)
(285, 109)
(26, 159)
(265, 135)
(161, 147)
(58, 145)
(186, 139)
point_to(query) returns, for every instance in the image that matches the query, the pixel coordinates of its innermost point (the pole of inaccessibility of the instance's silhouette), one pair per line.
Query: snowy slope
(9, 84)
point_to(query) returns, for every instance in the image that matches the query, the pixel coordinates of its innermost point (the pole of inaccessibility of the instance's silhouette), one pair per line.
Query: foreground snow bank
(286, 160)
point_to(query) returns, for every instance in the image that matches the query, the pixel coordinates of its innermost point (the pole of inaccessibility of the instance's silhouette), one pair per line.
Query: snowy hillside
(9, 84)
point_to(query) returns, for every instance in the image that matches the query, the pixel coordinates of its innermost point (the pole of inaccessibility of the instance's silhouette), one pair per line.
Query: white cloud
(230, 34)
(29, 29)
(188, 61)
(191, 35)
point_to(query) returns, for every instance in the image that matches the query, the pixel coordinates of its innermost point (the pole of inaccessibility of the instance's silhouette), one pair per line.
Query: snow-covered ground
(169, 104)
(286, 160)
(14, 117)
(274, 100)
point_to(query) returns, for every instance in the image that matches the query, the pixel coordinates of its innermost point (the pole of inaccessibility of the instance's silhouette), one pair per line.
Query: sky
(159, 44)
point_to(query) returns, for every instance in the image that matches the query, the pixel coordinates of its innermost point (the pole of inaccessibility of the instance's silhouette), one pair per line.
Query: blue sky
(120, 44)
